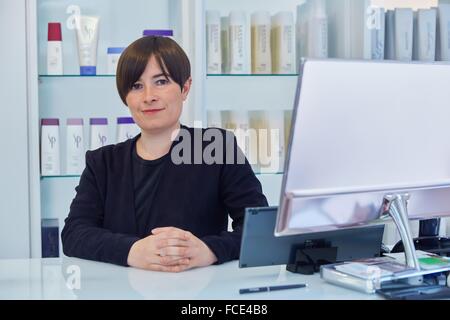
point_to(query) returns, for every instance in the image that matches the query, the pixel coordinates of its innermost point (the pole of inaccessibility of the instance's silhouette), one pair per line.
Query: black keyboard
(423, 292)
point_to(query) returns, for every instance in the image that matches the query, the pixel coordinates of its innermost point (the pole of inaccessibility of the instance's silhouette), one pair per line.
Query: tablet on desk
(260, 247)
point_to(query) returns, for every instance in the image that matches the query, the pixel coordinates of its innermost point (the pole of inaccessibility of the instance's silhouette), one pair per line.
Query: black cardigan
(101, 224)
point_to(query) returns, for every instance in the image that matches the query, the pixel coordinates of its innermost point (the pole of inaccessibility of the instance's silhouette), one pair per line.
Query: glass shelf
(77, 76)
(208, 75)
(269, 174)
(78, 176)
(251, 75)
(59, 177)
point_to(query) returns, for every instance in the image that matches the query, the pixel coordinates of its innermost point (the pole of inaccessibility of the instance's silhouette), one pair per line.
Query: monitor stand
(309, 257)
(428, 239)
(395, 205)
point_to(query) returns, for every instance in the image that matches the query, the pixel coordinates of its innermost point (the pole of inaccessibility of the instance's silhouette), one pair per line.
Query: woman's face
(156, 102)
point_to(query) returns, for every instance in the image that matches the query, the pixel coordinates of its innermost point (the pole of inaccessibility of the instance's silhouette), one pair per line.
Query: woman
(149, 202)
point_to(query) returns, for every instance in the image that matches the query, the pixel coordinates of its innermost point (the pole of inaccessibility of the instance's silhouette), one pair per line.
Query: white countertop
(71, 278)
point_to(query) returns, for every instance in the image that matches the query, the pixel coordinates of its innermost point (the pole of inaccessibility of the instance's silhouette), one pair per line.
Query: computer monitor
(366, 138)
(260, 247)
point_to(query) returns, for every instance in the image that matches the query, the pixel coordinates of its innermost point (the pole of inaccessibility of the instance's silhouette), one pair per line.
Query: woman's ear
(186, 88)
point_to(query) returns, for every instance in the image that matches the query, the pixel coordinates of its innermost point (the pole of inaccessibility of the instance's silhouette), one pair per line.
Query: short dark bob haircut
(171, 58)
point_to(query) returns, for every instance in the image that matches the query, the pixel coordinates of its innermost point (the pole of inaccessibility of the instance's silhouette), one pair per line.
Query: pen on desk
(272, 288)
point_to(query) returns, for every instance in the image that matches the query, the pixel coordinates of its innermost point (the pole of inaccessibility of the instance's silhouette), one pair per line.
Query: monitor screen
(362, 130)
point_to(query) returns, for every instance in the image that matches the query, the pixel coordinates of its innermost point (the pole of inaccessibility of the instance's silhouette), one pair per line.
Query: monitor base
(308, 260)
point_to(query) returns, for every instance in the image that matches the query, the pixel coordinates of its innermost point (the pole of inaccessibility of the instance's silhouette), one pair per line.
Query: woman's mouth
(153, 111)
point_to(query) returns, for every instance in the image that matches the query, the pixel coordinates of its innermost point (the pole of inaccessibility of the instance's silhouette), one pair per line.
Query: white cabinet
(14, 218)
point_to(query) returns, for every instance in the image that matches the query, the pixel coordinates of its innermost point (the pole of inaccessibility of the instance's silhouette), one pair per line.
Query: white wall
(14, 217)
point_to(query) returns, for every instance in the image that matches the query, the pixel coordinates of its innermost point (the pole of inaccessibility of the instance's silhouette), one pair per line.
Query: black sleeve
(239, 189)
(83, 235)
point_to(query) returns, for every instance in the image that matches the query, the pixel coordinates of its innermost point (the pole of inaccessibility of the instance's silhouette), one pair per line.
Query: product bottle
(114, 54)
(301, 31)
(74, 147)
(261, 54)
(239, 121)
(50, 165)
(318, 30)
(225, 43)
(213, 44)
(214, 119)
(274, 142)
(259, 149)
(54, 49)
(424, 35)
(443, 43)
(283, 39)
(404, 27)
(99, 133)
(168, 33)
(287, 128)
(126, 129)
(238, 43)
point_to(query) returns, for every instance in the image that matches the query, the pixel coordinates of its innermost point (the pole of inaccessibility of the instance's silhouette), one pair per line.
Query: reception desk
(71, 278)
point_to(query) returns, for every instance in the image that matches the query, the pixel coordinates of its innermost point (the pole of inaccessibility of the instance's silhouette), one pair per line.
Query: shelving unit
(44, 76)
(251, 92)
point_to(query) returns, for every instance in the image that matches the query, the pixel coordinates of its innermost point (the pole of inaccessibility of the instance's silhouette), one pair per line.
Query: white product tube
(99, 133)
(126, 129)
(74, 147)
(213, 43)
(261, 53)
(238, 36)
(50, 165)
(87, 40)
(283, 39)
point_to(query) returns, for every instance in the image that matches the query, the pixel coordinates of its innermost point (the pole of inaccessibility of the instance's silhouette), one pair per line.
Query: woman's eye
(136, 86)
(162, 82)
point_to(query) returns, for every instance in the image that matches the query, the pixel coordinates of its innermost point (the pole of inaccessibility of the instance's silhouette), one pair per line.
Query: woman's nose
(149, 95)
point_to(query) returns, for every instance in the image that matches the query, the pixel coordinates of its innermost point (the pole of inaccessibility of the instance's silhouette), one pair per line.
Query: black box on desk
(50, 238)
